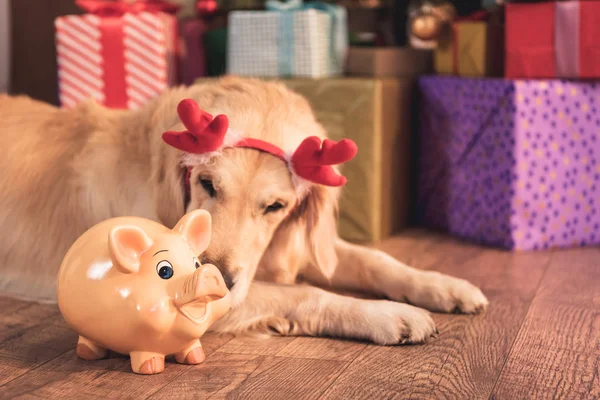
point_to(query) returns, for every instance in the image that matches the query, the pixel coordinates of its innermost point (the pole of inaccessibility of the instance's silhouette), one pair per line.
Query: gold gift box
(375, 113)
(479, 46)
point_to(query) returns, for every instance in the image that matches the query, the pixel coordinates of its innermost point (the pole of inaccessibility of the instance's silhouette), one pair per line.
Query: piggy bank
(135, 287)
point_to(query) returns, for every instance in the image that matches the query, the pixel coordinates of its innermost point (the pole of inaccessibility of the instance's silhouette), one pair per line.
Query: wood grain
(467, 358)
(23, 315)
(557, 352)
(540, 338)
(322, 349)
(247, 376)
(264, 346)
(9, 305)
(426, 250)
(67, 376)
(35, 345)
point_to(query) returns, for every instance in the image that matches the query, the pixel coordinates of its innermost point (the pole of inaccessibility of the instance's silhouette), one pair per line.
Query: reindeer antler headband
(311, 161)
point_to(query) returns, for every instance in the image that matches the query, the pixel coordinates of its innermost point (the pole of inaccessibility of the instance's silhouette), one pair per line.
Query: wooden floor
(540, 339)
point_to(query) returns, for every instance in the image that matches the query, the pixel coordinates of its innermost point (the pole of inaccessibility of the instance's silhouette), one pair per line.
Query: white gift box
(305, 42)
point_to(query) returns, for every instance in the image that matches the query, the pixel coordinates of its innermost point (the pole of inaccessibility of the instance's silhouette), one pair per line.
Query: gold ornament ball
(426, 27)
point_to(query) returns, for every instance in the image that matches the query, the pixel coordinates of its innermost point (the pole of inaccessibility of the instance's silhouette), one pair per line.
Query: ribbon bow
(118, 8)
(277, 5)
(204, 7)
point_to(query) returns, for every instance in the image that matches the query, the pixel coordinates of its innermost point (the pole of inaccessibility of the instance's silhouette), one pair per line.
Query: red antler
(313, 162)
(204, 133)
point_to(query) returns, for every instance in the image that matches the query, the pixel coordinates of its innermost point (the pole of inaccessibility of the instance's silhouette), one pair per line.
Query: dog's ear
(318, 209)
(305, 239)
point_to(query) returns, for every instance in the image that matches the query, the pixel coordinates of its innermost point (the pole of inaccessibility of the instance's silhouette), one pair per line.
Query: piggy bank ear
(127, 243)
(195, 227)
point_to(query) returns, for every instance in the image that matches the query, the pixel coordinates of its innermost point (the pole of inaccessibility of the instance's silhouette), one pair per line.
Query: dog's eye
(208, 186)
(274, 207)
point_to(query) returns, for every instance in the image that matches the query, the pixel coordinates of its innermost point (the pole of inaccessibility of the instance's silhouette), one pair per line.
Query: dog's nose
(222, 263)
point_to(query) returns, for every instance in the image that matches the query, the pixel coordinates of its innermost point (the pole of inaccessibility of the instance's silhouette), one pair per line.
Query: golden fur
(66, 170)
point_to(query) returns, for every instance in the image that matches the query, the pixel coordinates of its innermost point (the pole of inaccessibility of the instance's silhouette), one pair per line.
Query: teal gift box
(290, 39)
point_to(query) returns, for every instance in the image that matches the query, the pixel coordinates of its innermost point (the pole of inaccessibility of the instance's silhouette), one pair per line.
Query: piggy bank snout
(206, 283)
(211, 282)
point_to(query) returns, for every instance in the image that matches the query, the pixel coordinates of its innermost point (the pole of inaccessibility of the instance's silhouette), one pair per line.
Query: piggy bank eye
(196, 263)
(164, 269)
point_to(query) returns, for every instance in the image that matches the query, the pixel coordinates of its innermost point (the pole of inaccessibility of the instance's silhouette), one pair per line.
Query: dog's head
(256, 210)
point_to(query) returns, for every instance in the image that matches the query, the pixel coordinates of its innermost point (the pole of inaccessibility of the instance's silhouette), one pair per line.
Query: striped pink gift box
(120, 54)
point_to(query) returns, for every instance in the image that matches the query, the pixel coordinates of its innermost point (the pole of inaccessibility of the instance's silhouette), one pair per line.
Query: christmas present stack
(289, 39)
(122, 54)
(511, 163)
(515, 163)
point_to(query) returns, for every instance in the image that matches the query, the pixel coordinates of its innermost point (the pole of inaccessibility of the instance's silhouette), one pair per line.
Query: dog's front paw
(390, 323)
(439, 292)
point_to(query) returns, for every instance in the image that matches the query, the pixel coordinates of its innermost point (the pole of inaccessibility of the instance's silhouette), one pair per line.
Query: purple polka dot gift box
(511, 163)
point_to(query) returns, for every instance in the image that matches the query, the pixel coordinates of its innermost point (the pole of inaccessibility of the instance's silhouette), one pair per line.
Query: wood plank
(9, 305)
(70, 377)
(541, 370)
(322, 349)
(250, 376)
(544, 318)
(211, 342)
(25, 316)
(557, 351)
(427, 250)
(35, 346)
(467, 358)
(265, 346)
(573, 277)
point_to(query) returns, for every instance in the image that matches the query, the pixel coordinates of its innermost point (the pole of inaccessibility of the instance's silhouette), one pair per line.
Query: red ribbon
(204, 7)
(118, 8)
(481, 15)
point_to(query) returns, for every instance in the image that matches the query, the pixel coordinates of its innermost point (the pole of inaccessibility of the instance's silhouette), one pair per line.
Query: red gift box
(121, 54)
(553, 39)
(194, 57)
(194, 64)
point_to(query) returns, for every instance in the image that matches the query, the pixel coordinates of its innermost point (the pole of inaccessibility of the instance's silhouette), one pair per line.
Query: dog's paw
(438, 292)
(391, 323)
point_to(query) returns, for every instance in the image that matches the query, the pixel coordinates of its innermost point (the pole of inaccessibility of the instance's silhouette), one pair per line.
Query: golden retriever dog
(66, 170)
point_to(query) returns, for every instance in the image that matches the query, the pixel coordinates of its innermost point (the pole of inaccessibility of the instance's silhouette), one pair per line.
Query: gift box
(290, 39)
(511, 163)
(205, 42)
(401, 62)
(474, 47)
(376, 114)
(553, 39)
(121, 54)
(215, 43)
(193, 64)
